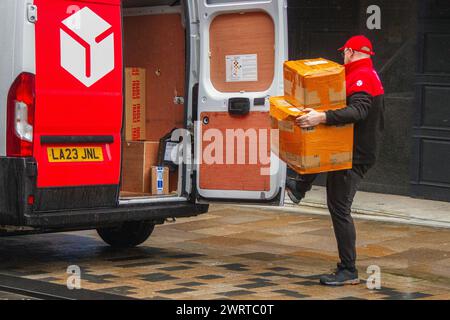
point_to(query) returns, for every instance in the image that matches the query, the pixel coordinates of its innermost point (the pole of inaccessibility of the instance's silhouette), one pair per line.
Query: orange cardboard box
(313, 150)
(135, 104)
(314, 83)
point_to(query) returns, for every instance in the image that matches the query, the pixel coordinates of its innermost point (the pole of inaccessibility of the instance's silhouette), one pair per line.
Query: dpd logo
(87, 46)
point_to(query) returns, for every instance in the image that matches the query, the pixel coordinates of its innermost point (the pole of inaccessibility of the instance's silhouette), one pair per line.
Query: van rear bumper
(94, 218)
(18, 183)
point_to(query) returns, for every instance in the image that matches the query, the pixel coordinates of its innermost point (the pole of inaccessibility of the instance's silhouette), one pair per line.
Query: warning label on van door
(242, 68)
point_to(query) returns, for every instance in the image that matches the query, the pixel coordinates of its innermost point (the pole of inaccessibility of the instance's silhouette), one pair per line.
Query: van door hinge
(32, 13)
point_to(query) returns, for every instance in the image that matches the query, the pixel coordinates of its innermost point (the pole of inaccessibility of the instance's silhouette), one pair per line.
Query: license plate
(75, 154)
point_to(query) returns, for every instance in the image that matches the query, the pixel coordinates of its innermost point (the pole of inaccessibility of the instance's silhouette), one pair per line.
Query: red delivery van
(210, 67)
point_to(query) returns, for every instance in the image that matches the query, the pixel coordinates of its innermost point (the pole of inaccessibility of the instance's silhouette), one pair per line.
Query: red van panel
(112, 2)
(78, 117)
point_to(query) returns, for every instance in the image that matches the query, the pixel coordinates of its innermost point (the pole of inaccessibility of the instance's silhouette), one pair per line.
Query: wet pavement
(240, 253)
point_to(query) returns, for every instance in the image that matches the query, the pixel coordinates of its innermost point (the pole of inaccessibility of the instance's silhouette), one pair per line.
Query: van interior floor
(125, 195)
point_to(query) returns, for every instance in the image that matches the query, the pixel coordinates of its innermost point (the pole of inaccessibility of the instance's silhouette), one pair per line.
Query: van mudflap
(17, 184)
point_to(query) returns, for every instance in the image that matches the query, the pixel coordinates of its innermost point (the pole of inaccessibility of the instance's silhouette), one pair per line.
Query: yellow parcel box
(313, 150)
(314, 83)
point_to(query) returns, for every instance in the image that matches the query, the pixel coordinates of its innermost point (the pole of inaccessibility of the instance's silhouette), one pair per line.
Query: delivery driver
(365, 109)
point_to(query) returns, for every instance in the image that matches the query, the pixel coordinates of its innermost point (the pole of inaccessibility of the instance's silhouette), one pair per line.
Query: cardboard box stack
(140, 175)
(318, 84)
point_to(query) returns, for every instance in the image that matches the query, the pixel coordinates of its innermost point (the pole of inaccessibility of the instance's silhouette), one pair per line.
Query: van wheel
(129, 234)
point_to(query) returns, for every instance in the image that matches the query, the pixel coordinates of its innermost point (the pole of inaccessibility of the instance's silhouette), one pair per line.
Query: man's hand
(312, 119)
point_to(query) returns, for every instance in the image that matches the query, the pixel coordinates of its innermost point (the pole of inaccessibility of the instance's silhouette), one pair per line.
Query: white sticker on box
(315, 63)
(242, 68)
(159, 180)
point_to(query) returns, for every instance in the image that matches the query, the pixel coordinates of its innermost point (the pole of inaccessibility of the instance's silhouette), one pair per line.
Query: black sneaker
(341, 277)
(291, 189)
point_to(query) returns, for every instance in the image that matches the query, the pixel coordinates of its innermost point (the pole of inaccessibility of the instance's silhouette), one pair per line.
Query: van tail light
(20, 116)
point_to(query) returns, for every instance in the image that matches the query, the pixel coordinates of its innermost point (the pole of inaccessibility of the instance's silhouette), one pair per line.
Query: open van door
(78, 112)
(243, 45)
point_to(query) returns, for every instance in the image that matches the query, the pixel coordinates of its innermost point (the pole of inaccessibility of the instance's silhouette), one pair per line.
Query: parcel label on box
(135, 104)
(317, 149)
(314, 83)
(160, 180)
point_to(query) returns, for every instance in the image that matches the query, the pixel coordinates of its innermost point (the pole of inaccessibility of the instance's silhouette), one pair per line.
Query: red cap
(357, 43)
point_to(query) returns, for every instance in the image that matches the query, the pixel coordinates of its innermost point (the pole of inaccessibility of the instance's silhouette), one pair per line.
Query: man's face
(348, 54)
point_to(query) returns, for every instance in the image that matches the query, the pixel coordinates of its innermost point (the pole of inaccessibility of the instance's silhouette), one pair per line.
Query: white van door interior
(242, 46)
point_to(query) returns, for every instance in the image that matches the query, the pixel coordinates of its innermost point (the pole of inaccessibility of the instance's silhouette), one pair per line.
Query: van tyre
(129, 234)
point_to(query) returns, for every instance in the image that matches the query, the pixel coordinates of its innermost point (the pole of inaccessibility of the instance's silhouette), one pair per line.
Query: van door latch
(239, 106)
(32, 13)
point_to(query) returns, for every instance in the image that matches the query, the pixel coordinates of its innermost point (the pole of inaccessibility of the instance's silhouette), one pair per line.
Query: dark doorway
(431, 131)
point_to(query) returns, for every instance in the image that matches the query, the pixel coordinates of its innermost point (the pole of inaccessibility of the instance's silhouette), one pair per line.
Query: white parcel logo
(87, 46)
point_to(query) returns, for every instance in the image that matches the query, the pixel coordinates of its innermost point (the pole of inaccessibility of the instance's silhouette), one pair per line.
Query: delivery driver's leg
(341, 189)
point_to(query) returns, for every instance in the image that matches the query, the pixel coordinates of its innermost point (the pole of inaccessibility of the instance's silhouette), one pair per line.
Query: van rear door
(243, 46)
(78, 115)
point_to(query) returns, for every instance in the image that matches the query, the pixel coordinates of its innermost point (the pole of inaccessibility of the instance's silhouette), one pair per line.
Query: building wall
(317, 28)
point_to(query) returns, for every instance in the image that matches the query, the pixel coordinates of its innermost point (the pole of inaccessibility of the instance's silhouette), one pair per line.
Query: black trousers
(341, 189)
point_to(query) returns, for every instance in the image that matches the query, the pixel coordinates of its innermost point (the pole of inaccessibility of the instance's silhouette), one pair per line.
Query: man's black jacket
(367, 113)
